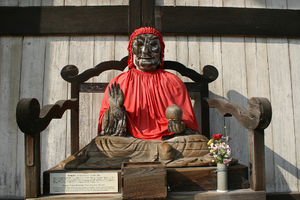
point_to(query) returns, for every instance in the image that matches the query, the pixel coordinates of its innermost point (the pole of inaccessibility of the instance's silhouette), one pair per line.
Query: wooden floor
(83, 196)
(245, 194)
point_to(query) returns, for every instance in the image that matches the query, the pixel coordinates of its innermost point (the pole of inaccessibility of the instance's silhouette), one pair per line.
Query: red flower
(217, 136)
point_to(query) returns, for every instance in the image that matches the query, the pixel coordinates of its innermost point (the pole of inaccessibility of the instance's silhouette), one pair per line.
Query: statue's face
(146, 52)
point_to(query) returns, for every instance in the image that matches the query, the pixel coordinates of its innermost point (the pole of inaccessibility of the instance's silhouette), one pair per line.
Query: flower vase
(222, 185)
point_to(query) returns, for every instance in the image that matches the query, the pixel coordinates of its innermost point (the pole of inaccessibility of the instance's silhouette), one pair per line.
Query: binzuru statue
(145, 115)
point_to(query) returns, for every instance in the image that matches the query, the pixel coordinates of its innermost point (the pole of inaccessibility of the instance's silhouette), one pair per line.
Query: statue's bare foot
(166, 152)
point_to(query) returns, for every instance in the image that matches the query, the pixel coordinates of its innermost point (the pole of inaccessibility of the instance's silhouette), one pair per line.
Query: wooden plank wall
(248, 66)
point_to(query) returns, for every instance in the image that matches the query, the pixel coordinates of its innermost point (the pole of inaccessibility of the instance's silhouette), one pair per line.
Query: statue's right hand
(114, 119)
(115, 96)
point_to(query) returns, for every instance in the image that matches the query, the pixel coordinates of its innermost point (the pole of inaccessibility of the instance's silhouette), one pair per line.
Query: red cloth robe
(147, 95)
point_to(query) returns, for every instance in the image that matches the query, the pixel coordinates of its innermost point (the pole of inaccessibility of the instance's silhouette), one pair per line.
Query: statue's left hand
(176, 126)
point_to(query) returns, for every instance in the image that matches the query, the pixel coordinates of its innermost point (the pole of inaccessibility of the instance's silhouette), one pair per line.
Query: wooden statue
(127, 113)
(139, 119)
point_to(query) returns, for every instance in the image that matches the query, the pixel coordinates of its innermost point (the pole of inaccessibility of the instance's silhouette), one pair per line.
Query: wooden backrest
(79, 84)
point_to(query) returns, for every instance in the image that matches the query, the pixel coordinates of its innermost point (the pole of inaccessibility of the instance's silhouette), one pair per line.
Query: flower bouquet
(220, 149)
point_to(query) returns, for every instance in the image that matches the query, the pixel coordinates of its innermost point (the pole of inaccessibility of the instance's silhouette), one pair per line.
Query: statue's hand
(176, 126)
(115, 96)
(114, 120)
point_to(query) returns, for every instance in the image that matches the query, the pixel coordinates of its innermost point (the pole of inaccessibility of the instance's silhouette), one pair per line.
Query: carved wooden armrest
(258, 115)
(32, 119)
(255, 119)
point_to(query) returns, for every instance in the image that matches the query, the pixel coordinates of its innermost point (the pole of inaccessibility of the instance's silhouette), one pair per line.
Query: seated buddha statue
(146, 115)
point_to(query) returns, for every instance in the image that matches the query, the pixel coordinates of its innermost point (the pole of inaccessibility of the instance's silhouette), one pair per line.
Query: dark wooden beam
(141, 13)
(63, 20)
(92, 20)
(228, 21)
(134, 15)
(148, 13)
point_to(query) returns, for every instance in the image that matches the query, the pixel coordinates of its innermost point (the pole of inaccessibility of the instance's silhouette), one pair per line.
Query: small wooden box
(144, 180)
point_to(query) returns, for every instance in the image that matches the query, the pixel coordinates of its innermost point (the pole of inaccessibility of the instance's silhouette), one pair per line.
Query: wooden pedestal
(205, 178)
(150, 181)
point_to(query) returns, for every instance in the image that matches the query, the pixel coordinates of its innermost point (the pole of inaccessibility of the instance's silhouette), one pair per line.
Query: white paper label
(104, 182)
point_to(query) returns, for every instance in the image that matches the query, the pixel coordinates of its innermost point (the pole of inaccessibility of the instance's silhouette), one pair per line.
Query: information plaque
(94, 182)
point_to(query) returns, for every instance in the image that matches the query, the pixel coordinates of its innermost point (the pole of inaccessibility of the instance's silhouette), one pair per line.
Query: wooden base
(205, 178)
(244, 194)
(178, 180)
(144, 180)
(234, 194)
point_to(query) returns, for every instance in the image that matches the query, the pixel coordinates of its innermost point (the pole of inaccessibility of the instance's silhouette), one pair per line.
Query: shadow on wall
(280, 164)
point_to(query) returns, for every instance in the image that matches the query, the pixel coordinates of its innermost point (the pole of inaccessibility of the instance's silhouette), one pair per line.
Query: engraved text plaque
(94, 182)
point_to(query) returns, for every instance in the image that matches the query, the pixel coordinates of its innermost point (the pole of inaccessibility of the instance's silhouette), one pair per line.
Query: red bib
(147, 95)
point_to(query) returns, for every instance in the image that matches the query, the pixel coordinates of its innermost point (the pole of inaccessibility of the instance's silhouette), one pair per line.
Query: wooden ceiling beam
(93, 20)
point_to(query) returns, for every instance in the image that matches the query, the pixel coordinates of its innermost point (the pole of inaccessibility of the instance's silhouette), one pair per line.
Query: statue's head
(146, 49)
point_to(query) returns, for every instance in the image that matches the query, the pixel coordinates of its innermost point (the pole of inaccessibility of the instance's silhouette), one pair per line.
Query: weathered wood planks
(285, 169)
(294, 49)
(33, 58)
(11, 148)
(258, 66)
(54, 138)
(104, 50)
(284, 147)
(258, 85)
(81, 55)
(210, 54)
